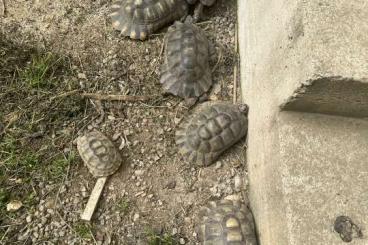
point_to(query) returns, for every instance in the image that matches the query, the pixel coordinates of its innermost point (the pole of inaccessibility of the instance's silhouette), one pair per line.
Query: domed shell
(140, 18)
(99, 154)
(211, 131)
(186, 70)
(225, 223)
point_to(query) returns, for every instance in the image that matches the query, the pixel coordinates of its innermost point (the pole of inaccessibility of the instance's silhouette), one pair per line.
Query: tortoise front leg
(198, 13)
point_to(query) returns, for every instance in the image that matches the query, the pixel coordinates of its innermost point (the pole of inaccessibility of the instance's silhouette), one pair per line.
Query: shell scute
(222, 224)
(99, 154)
(214, 129)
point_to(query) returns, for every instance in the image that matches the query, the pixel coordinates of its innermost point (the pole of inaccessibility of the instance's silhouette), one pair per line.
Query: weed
(40, 71)
(57, 169)
(123, 206)
(14, 160)
(160, 239)
(4, 196)
(83, 230)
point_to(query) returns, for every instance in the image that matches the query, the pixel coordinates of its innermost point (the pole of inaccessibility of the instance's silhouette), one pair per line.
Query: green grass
(57, 169)
(4, 197)
(39, 73)
(123, 206)
(83, 230)
(160, 239)
(16, 161)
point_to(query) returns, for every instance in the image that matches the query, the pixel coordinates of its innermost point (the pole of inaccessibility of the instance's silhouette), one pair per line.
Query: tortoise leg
(198, 13)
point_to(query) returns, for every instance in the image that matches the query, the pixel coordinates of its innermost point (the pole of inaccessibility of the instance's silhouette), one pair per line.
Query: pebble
(29, 219)
(13, 206)
(218, 165)
(181, 241)
(174, 231)
(238, 183)
(135, 217)
(171, 184)
(82, 76)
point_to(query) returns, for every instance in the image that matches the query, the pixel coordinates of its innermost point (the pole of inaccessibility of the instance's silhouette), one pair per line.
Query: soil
(155, 195)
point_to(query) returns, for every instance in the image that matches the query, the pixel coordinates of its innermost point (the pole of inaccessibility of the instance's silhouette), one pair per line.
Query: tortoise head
(244, 108)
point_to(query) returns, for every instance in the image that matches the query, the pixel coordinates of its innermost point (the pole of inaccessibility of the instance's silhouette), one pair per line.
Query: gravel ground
(155, 194)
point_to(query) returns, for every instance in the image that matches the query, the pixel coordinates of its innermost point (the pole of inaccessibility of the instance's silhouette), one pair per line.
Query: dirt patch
(155, 196)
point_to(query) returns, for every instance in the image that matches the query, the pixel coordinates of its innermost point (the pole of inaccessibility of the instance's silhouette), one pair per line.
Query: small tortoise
(186, 70)
(212, 130)
(226, 222)
(99, 154)
(140, 18)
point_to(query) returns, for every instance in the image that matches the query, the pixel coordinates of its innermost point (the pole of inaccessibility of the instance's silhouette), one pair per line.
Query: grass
(39, 73)
(83, 230)
(160, 239)
(123, 206)
(29, 79)
(57, 169)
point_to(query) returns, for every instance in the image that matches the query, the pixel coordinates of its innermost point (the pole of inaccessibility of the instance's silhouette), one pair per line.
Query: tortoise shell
(204, 2)
(186, 70)
(140, 18)
(99, 154)
(212, 130)
(226, 222)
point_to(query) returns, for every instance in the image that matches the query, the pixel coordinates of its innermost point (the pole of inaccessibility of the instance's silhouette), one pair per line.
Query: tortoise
(198, 12)
(140, 18)
(226, 222)
(212, 130)
(186, 69)
(99, 154)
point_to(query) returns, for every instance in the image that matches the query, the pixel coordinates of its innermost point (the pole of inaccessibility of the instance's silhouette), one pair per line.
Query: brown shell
(225, 223)
(186, 70)
(99, 154)
(208, 2)
(140, 18)
(210, 131)
(204, 2)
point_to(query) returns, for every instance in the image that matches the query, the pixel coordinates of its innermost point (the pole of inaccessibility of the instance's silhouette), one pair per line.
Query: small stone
(171, 184)
(14, 205)
(218, 165)
(135, 217)
(238, 183)
(181, 241)
(139, 172)
(174, 231)
(116, 136)
(82, 76)
(29, 219)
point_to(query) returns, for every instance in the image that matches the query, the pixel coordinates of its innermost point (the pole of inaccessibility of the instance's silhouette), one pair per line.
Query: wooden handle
(93, 199)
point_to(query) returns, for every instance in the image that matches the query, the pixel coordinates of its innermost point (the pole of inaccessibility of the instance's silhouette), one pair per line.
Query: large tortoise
(186, 69)
(226, 222)
(140, 18)
(209, 132)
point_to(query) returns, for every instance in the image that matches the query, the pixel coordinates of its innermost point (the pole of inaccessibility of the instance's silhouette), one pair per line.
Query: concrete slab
(324, 49)
(304, 169)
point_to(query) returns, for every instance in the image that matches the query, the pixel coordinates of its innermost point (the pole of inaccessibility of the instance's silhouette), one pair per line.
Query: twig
(112, 97)
(65, 94)
(2, 13)
(219, 59)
